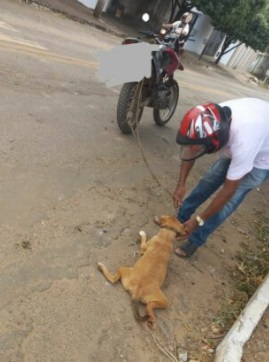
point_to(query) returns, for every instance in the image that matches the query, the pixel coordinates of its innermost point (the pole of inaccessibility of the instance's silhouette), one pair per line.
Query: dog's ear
(157, 220)
(160, 220)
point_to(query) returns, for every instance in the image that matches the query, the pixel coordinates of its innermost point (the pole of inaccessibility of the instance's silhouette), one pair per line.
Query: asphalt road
(64, 162)
(56, 115)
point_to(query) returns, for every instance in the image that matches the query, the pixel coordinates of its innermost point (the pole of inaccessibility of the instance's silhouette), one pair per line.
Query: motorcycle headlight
(163, 31)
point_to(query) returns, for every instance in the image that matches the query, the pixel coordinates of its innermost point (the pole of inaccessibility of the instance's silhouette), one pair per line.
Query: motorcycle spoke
(162, 114)
(133, 115)
(172, 100)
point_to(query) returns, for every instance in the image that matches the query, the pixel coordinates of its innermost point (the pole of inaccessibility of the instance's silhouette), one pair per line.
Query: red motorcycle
(160, 91)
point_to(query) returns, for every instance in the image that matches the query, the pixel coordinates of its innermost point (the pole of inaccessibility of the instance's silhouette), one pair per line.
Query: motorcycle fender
(156, 66)
(171, 58)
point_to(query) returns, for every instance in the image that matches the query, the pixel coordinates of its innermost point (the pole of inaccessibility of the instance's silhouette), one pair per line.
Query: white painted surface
(89, 3)
(231, 348)
(226, 57)
(200, 34)
(92, 3)
(128, 63)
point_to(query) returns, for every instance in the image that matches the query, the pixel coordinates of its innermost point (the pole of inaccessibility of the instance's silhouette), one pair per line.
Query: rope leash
(136, 135)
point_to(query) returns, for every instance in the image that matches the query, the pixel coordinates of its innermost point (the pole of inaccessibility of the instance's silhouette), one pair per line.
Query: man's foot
(186, 250)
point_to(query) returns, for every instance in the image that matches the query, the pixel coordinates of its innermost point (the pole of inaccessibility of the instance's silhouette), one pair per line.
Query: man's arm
(179, 193)
(167, 26)
(185, 169)
(223, 196)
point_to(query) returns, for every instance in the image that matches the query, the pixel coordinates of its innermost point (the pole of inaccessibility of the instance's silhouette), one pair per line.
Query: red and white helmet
(203, 129)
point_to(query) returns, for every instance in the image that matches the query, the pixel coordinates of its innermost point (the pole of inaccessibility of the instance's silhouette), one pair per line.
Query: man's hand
(178, 196)
(190, 226)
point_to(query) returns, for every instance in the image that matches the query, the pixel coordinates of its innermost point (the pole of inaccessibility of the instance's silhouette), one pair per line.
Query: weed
(252, 267)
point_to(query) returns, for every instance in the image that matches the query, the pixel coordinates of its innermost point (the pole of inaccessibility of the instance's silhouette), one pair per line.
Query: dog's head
(171, 223)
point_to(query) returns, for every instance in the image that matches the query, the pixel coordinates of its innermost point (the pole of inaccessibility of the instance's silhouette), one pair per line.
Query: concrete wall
(260, 66)
(241, 57)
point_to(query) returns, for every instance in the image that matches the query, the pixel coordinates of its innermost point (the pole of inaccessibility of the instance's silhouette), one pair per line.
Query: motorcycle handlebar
(167, 39)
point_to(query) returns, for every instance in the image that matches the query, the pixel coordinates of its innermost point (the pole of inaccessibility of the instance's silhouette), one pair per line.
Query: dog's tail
(135, 307)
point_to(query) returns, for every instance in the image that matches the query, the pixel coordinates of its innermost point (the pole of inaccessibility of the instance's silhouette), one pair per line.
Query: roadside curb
(231, 347)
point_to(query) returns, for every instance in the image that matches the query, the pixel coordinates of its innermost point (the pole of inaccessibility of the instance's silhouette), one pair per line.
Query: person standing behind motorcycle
(180, 27)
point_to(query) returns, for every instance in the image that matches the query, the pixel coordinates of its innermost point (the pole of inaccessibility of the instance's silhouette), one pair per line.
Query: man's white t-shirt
(178, 24)
(248, 144)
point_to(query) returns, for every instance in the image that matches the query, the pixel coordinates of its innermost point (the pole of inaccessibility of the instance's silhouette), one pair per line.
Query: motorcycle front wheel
(162, 116)
(128, 119)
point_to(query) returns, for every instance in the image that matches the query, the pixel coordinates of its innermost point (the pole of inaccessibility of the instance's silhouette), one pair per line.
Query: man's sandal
(186, 250)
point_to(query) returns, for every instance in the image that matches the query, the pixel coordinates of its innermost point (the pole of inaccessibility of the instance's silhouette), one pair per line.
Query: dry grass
(252, 267)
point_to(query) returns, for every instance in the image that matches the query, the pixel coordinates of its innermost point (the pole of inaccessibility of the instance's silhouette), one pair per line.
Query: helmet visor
(191, 152)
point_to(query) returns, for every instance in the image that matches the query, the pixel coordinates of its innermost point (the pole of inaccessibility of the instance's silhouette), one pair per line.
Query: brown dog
(145, 279)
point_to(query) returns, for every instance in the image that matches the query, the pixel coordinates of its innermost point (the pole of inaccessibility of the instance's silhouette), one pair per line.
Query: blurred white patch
(7, 27)
(145, 17)
(125, 63)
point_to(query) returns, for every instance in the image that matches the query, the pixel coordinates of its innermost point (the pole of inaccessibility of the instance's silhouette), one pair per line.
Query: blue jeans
(210, 182)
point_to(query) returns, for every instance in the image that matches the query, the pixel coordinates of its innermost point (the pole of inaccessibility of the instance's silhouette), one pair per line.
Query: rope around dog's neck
(170, 228)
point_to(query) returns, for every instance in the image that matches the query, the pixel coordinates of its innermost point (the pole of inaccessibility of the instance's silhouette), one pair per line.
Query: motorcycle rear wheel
(162, 116)
(126, 119)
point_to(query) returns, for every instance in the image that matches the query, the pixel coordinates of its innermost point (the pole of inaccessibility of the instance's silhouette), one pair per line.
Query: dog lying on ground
(144, 280)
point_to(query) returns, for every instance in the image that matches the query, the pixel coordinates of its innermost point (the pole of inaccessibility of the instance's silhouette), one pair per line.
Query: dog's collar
(171, 229)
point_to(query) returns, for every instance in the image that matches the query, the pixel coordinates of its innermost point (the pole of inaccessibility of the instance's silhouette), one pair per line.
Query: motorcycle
(160, 91)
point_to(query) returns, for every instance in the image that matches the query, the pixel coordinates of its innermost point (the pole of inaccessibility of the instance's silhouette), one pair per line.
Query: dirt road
(74, 191)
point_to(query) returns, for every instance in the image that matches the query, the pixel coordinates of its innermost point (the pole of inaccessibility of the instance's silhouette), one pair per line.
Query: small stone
(241, 231)
(165, 140)
(212, 271)
(128, 327)
(183, 357)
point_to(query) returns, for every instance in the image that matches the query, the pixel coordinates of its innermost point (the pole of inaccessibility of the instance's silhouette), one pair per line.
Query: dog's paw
(151, 324)
(100, 266)
(157, 220)
(142, 234)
